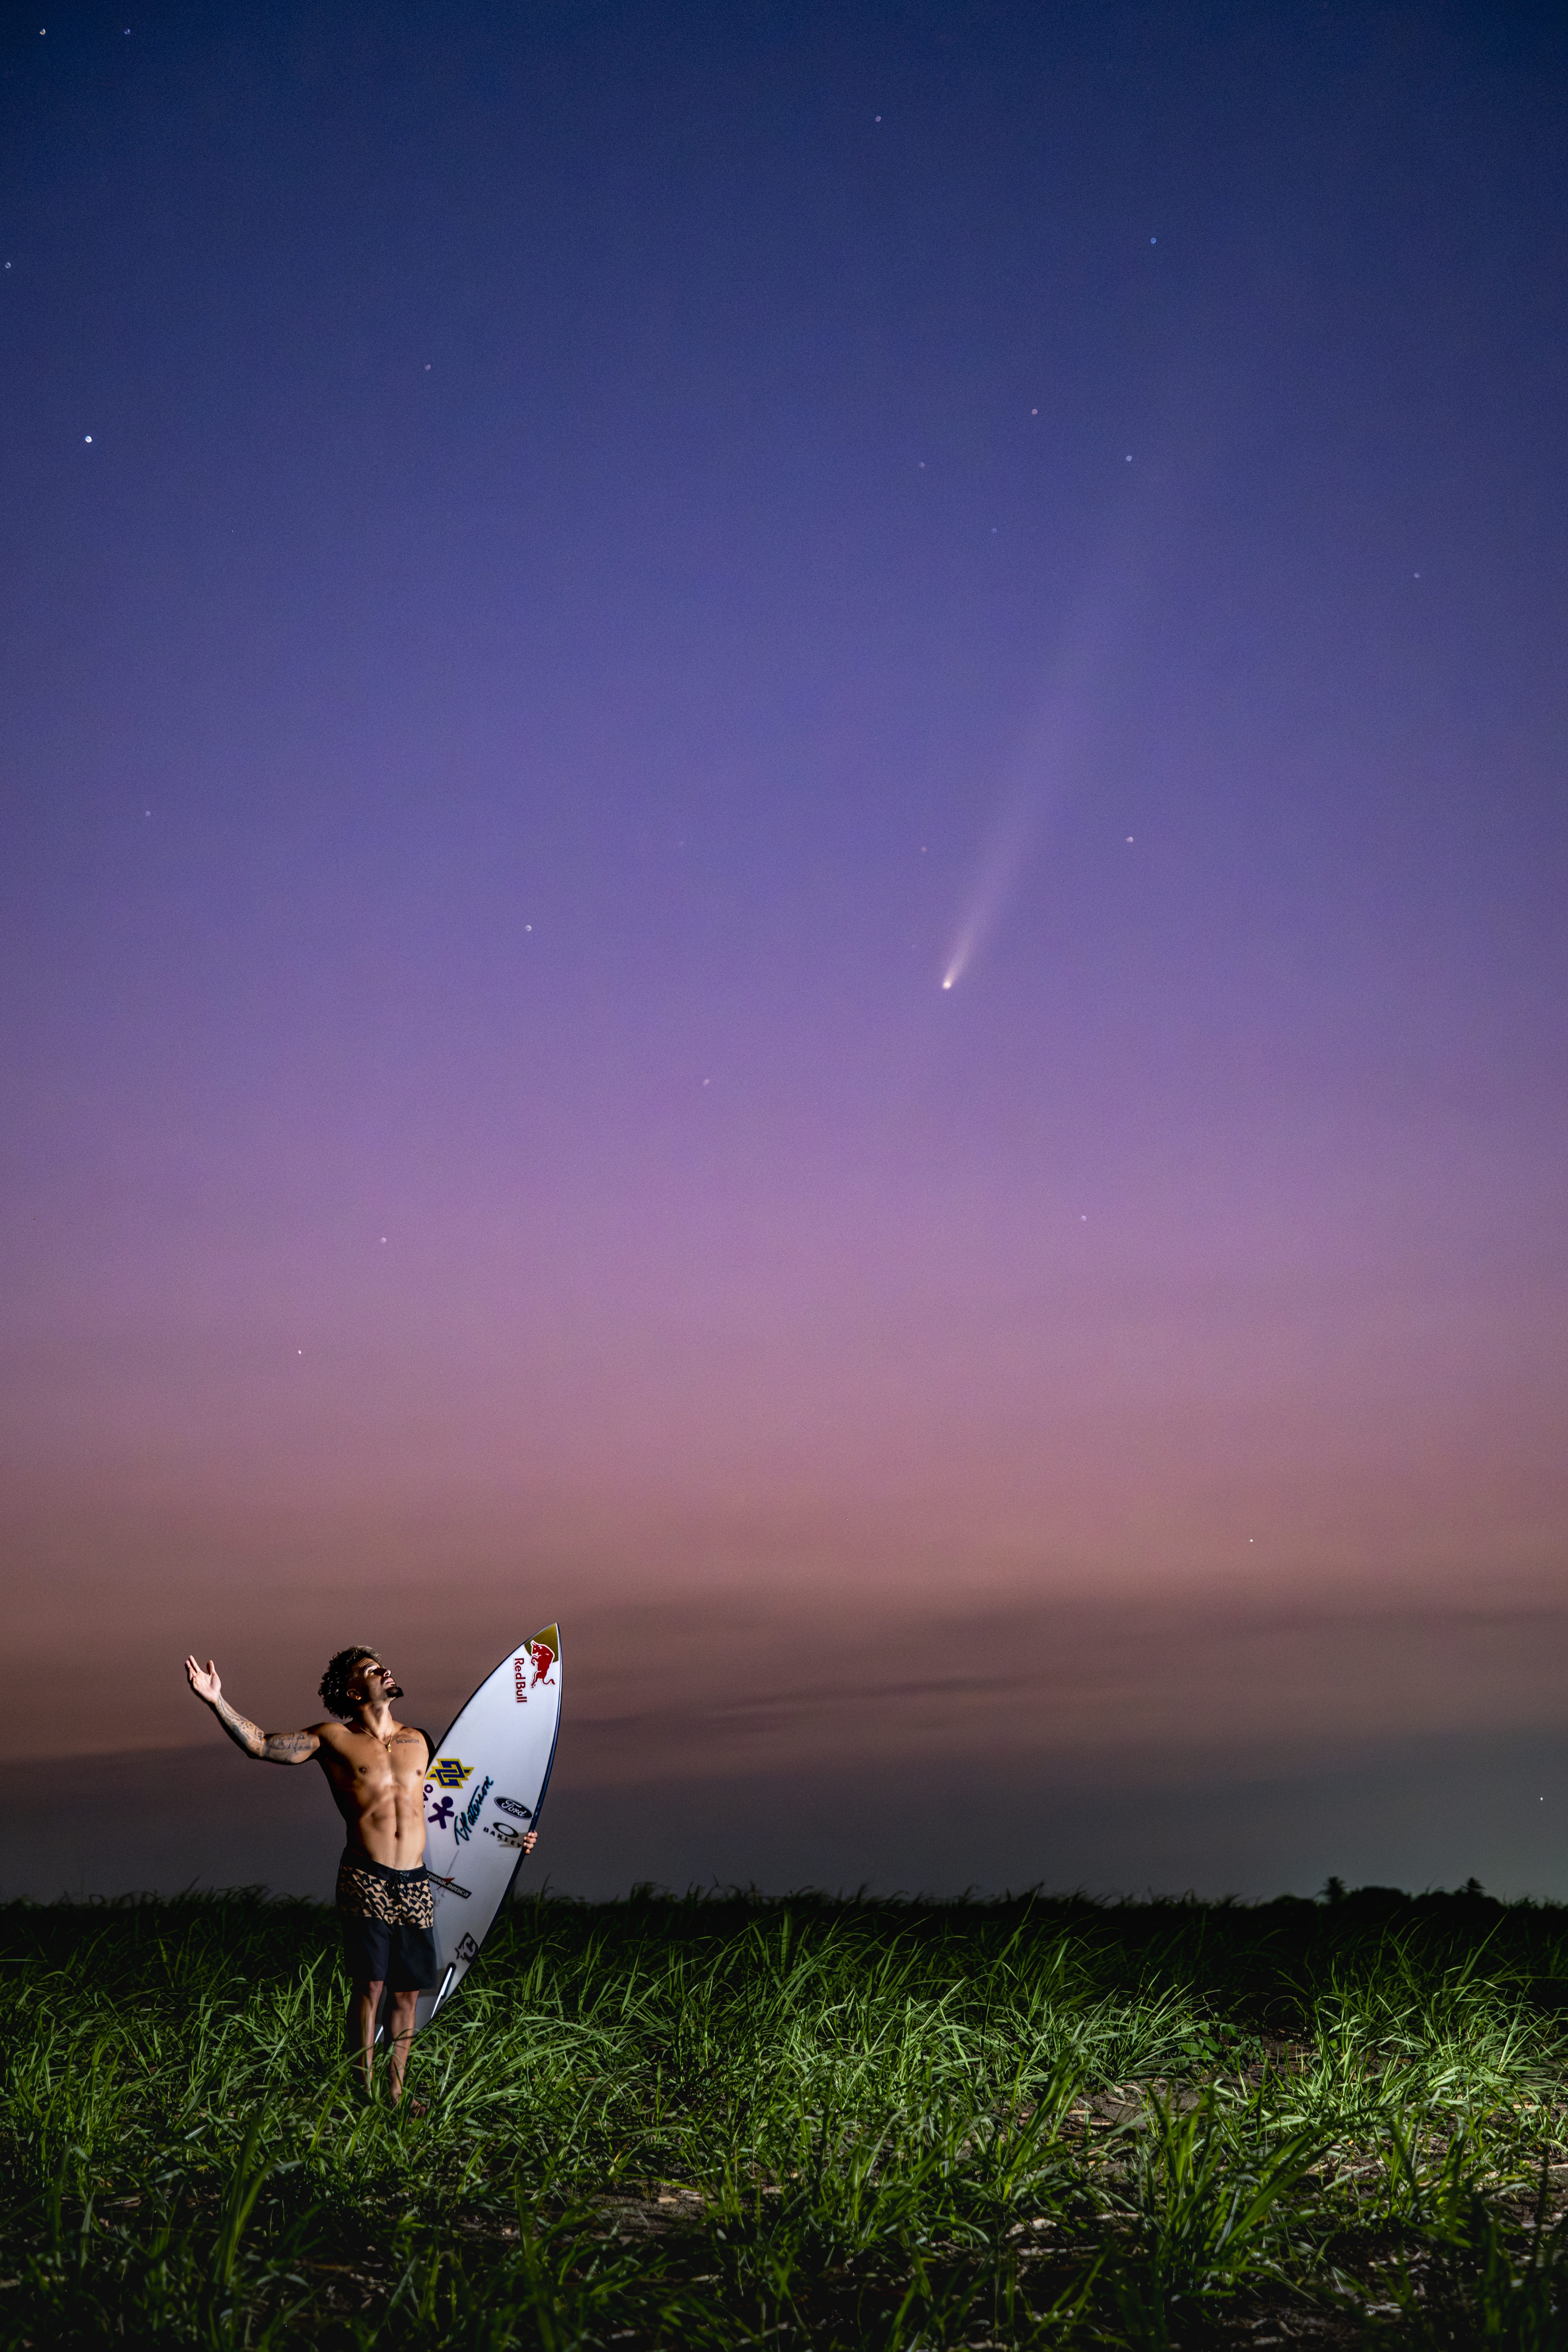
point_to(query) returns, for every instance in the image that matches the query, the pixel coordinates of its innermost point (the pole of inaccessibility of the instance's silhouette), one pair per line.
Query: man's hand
(530, 1839)
(265, 1747)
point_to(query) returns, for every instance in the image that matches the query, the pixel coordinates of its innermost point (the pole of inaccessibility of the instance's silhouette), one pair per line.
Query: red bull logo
(541, 1657)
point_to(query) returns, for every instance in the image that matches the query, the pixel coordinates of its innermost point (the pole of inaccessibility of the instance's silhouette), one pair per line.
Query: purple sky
(559, 566)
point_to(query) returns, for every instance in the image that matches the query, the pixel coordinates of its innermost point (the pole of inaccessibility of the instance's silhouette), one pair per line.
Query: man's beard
(394, 1690)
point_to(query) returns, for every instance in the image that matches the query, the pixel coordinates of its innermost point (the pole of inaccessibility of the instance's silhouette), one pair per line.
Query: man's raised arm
(266, 1746)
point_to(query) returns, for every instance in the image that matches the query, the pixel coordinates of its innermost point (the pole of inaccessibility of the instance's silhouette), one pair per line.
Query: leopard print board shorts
(387, 1917)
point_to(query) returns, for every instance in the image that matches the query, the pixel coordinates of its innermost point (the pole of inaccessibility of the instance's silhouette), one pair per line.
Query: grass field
(732, 2122)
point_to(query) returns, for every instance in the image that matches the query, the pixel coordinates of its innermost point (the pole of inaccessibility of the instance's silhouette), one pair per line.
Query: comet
(1059, 753)
(1004, 854)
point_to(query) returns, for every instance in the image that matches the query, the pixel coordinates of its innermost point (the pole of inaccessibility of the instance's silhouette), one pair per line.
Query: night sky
(564, 566)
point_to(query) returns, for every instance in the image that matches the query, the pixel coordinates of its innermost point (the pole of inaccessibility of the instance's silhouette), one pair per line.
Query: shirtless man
(375, 1767)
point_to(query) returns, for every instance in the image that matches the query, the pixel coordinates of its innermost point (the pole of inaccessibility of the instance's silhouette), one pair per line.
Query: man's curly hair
(335, 1681)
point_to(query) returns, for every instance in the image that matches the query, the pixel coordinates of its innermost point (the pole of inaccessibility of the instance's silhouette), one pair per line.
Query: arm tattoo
(239, 1727)
(289, 1747)
(266, 1746)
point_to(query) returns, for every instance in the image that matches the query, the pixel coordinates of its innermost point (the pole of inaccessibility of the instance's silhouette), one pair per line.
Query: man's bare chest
(372, 1769)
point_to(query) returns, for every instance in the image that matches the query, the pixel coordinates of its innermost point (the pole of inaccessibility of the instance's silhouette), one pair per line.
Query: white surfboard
(484, 1793)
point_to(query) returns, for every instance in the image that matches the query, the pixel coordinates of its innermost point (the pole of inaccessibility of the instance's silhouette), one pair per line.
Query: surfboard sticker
(482, 1794)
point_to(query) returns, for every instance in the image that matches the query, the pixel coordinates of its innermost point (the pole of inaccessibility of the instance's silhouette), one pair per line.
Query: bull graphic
(543, 1658)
